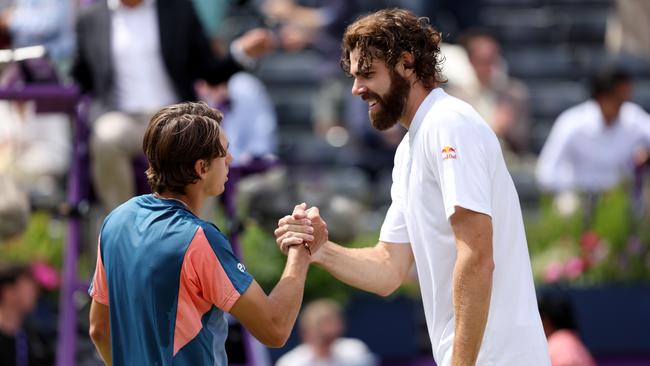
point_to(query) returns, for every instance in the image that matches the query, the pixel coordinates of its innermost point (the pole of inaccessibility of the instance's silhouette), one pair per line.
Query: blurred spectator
(14, 208)
(594, 145)
(320, 27)
(501, 100)
(135, 56)
(321, 328)
(564, 344)
(628, 28)
(249, 116)
(42, 22)
(18, 295)
(34, 150)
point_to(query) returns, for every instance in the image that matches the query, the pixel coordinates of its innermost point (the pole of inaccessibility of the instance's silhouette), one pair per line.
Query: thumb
(299, 211)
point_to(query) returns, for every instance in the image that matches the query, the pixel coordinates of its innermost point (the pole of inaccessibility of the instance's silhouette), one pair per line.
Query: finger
(307, 229)
(289, 220)
(289, 242)
(299, 211)
(313, 213)
(303, 236)
(291, 234)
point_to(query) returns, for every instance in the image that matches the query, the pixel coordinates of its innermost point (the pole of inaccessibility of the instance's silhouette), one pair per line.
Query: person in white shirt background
(134, 57)
(594, 145)
(455, 210)
(321, 329)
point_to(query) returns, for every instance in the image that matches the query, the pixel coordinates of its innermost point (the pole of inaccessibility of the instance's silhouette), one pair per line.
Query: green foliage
(610, 245)
(42, 241)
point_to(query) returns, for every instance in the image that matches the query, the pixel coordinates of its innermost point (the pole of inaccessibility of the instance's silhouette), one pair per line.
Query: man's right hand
(302, 227)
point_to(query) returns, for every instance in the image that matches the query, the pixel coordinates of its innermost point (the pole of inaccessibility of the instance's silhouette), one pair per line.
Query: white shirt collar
(422, 111)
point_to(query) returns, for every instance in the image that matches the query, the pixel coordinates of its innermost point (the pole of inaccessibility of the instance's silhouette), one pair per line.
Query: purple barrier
(65, 99)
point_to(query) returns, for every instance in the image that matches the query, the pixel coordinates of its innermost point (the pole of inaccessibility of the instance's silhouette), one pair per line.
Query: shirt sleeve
(394, 228)
(98, 287)
(460, 156)
(222, 277)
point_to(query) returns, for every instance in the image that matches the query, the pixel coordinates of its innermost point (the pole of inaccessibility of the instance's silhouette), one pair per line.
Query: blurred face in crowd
(612, 100)
(325, 330)
(385, 91)
(484, 55)
(21, 295)
(622, 92)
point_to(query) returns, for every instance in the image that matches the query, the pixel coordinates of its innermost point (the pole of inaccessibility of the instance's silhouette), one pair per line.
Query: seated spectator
(321, 328)
(34, 150)
(564, 344)
(501, 100)
(18, 295)
(318, 27)
(249, 116)
(133, 57)
(594, 145)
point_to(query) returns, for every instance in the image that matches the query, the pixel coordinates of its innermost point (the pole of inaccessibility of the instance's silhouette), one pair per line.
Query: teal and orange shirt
(167, 277)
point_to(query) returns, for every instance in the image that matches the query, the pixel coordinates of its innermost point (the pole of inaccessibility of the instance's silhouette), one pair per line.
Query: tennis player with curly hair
(455, 211)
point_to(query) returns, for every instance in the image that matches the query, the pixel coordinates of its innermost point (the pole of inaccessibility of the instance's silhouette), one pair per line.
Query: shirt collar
(427, 103)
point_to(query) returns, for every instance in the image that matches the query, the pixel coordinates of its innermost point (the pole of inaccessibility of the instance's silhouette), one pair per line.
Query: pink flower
(553, 272)
(45, 275)
(589, 241)
(574, 267)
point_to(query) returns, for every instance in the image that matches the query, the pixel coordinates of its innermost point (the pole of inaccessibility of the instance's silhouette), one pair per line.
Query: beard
(389, 108)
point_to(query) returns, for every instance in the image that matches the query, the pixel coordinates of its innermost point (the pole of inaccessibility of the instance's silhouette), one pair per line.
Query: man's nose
(358, 88)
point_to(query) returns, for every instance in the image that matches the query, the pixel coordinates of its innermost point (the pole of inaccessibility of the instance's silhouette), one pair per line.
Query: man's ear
(407, 63)
(200, 167)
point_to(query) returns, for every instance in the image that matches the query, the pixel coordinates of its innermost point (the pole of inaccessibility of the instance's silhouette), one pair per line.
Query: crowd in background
(134, 56)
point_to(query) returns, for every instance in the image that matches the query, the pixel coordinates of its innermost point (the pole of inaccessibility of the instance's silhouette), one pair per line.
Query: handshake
(304, 227)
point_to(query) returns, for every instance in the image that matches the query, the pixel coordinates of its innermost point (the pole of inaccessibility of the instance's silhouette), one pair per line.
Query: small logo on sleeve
(448, 152)
(241, 267)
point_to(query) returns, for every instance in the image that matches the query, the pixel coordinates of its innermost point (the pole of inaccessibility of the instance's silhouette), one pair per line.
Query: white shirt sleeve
(554, 171)
(459, 153)
(394, 229)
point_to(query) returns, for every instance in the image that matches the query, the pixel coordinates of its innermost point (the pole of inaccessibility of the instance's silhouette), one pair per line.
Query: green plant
(608, 244)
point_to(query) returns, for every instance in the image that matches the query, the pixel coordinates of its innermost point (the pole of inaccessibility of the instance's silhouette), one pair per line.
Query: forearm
(369, 269)
(472, 287)
(286, 297)
(103, 345)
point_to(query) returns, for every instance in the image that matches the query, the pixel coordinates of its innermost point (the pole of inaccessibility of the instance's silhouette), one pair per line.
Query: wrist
(319, 256)
(298, 252)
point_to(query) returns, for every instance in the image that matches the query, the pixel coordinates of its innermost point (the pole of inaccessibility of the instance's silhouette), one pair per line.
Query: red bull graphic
(448, 152)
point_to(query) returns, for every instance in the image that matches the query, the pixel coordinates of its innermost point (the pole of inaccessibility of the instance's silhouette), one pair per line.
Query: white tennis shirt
(450, 157)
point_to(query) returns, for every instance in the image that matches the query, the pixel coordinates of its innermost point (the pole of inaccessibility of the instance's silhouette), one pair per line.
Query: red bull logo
(448, 152)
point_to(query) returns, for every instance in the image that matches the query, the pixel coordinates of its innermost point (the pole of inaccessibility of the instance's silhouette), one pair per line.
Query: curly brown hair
(386, 35)
(176, 137)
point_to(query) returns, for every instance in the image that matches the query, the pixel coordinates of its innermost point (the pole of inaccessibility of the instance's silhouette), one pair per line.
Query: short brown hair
(176, 137)
(387, 34)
